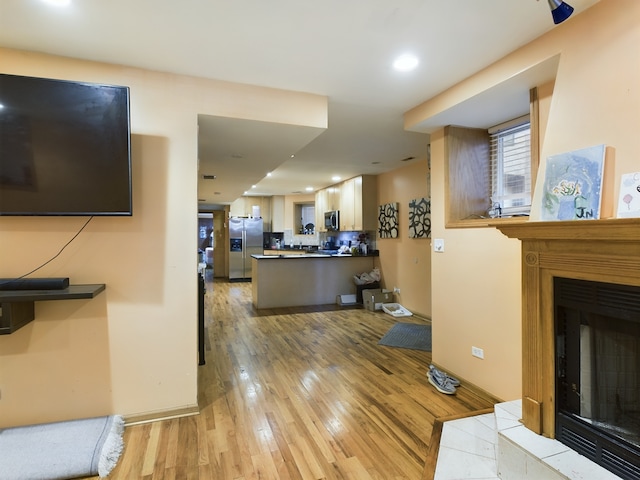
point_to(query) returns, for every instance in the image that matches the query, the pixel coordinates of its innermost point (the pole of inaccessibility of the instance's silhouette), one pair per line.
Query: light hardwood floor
(298, 394)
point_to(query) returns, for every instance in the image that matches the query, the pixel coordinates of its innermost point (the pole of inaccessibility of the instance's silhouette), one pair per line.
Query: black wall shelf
(17, 306)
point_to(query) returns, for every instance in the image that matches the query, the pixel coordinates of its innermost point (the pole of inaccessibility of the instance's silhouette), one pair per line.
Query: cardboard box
(367, 286)
(374, 298)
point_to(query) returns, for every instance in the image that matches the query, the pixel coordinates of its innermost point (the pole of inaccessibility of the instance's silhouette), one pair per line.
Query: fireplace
(578, 255)
(597, 331)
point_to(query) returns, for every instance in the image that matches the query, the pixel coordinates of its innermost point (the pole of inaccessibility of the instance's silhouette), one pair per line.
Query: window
(305, 217)
(487, 167)
(510, 163)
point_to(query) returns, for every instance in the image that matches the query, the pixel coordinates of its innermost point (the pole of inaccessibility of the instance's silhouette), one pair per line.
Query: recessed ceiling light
(253, 186)
(309, 189)
(58, 3)
(335, 178)
(405, 63)
(268, 174)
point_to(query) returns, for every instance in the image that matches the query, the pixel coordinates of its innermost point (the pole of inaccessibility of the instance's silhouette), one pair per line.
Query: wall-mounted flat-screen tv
(65, 147)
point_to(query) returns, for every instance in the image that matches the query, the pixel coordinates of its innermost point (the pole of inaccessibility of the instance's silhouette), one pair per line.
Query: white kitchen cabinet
(321, 207)
(347, 204)
(327, 199)
(277, 213)
(244, 207)
(358, 204)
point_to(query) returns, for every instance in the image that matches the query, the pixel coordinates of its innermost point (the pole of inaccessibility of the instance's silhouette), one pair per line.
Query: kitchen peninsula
(302, 280)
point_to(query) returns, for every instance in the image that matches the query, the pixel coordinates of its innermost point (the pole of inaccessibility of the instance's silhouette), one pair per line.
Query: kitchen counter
(308, 279)
(309, 255)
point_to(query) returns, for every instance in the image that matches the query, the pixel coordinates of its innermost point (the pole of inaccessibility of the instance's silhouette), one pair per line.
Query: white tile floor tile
(463, 438)
(480, 447)
(454, 464)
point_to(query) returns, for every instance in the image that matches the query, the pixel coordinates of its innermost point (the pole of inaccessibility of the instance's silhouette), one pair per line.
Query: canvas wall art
(388, 221)
(420, 218)
(573, 185)
(629, 198)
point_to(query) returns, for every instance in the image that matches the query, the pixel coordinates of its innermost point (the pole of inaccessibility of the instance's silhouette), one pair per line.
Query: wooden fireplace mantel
(596, 250)
(618, 230)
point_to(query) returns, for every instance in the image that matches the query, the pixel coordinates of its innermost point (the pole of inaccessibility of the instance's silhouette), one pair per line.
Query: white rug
(62, 450)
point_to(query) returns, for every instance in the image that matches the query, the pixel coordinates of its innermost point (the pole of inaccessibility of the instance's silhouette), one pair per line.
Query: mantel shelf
(17, 306)
(615, 230)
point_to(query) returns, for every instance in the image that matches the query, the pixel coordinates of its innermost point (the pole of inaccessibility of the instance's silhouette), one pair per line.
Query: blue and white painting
(573, 185)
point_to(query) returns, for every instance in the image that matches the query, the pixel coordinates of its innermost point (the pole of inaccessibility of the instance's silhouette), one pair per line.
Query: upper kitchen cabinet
(333, 197)
(253, 207)
(321, 207)
(358, 209)
(355, 199)
(277, 213)
(327, 199)
(347, 204)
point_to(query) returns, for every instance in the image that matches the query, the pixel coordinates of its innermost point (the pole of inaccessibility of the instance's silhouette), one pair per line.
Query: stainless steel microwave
(332, 220)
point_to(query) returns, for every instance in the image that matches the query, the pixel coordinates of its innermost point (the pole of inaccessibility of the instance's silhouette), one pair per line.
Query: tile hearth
(496, 446)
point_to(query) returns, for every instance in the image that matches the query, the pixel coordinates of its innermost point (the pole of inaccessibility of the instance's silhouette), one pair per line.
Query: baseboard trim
(156, 416)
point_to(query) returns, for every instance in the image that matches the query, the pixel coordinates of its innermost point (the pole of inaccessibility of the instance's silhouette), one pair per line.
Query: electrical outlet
(396, 290)
(477, 352)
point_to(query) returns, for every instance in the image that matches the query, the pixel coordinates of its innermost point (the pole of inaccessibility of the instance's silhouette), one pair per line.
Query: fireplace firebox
(597, 332)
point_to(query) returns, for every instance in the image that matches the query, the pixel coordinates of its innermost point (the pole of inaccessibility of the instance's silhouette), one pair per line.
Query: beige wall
(132, 349)
(596, 99)
(406, 262)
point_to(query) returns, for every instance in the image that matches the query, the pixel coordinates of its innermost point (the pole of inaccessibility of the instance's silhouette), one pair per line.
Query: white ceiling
(339, 48)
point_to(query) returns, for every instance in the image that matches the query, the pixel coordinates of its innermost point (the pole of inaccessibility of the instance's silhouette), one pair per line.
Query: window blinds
(510, 150)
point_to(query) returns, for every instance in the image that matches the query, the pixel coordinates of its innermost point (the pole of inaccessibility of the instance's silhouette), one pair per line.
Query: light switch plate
(438, 245)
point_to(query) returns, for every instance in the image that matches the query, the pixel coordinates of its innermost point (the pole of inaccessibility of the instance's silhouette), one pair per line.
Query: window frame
(497, 169)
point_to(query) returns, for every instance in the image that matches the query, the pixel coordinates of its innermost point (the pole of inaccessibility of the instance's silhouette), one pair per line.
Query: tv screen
(65, 148)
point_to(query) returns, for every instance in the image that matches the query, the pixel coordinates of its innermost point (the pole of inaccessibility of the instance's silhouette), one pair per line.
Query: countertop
(311, 252)
(313, 255)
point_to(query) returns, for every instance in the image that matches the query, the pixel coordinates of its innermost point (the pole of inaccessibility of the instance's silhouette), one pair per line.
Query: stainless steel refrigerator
(245, 239)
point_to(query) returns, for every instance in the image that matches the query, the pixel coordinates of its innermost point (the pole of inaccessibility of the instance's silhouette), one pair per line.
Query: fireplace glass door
(598, 372)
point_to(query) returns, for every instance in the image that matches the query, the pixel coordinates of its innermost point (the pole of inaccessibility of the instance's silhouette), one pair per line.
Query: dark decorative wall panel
(420, 218)
(388, 221)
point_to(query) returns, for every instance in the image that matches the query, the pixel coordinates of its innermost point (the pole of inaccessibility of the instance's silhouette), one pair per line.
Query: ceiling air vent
(209, 177)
